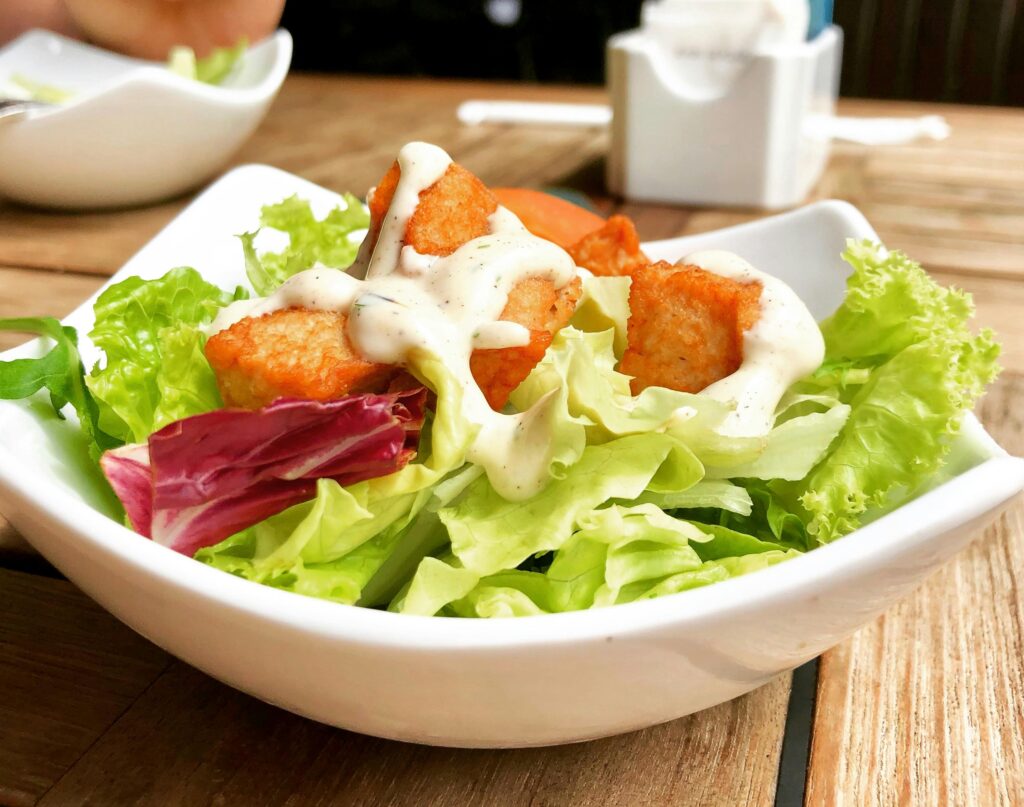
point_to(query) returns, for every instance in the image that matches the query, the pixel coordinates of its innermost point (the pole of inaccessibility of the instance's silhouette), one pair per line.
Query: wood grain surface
(922, 707)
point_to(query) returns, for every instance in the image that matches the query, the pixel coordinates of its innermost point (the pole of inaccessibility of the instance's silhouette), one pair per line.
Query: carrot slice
(549, 217)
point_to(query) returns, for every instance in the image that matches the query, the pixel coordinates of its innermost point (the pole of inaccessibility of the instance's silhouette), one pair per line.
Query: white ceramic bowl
(531, 681)
(133, 132)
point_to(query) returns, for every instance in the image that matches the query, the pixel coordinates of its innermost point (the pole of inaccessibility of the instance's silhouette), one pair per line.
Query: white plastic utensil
(534, 112)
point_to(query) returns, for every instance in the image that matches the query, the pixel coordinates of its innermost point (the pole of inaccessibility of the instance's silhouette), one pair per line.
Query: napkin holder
(751, 141)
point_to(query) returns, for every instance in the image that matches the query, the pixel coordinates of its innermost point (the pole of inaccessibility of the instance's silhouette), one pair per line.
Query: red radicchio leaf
(206, 477)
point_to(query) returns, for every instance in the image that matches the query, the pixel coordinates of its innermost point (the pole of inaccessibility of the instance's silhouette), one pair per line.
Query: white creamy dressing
(783, 346)
(398, 301)
(448, 306)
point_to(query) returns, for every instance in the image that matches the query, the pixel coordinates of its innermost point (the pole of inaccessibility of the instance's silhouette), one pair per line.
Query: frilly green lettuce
(329, 241)
(905, 361)
(155, 370)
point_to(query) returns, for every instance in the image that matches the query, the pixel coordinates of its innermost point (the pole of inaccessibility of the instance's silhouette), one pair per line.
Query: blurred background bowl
(132, 132)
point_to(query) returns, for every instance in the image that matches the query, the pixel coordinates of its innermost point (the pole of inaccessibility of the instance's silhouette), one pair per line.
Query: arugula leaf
(60, 372)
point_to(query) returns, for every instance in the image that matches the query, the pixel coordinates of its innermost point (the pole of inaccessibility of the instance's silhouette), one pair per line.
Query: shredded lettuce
(155, 371)
(604, 304)
(332, 241)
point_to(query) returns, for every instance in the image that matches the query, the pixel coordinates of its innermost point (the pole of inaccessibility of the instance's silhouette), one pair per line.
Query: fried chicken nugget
(686, 326)
(498, 372)
(613, 249)
(536, 304)
(293, 353)
(306, 353)
(452, 211)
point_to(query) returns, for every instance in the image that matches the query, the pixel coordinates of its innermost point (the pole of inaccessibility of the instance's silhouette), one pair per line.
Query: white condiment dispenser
(716, 102)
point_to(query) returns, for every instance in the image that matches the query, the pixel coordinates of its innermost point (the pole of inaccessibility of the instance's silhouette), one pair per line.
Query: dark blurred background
(968, 51)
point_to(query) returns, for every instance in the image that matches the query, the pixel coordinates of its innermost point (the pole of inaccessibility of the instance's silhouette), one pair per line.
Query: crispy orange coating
(498, 372)
(450, 212)
(306, 354)
(613, 249)
(536, 304)
(293, 353)
(686, 326)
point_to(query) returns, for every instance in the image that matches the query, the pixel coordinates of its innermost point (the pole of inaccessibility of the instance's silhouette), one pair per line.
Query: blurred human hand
(150, 28)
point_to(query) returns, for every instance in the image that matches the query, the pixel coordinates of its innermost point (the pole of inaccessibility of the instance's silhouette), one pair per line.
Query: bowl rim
(907, 529)
(152, 74)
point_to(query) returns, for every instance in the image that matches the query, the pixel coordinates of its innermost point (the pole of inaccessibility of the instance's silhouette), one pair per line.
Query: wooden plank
(191, 740)
(39, 293)
(67, 672)
(924, 706)
(79, 242)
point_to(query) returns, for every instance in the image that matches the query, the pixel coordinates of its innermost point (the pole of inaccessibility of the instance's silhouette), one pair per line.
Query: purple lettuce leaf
(204, 478)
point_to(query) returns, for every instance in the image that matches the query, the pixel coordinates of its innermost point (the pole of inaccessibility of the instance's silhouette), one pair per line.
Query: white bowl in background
(516, 682)
(133, 131)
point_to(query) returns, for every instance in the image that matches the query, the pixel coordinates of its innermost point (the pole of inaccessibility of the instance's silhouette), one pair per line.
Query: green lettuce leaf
(155, 370)
(768, 519)
(901, 354)
(489, 533)
(361, 543)
(584, 365)
(211, 69)
(604, 304)
(616, 554)
(38, 91)
(717, 494)
(330, 241)
(60, 372)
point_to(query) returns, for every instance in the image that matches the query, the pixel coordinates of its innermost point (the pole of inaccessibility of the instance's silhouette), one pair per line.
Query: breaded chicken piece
(686, 326)
(304, 353)
(450, 212)
(498, 372)
(536, 304)
(613, 249)
(292, 353)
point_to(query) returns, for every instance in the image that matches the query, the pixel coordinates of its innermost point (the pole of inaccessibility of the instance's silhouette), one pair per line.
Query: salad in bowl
(470, 402)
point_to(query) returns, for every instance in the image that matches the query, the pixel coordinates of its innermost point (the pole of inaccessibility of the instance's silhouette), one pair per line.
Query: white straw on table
(534, 112)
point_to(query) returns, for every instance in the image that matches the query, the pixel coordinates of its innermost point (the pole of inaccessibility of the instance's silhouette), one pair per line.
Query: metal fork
(12, 108)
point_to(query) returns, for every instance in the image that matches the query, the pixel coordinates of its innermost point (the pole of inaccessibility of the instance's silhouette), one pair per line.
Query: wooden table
(922, 707)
